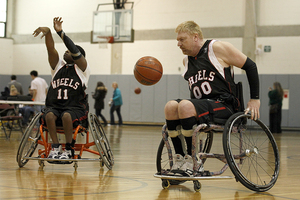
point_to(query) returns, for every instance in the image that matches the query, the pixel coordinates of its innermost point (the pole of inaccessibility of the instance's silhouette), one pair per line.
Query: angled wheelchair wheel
(29, 140)
(162, 157)
(101, 141)
(251, 152)
(162, 162)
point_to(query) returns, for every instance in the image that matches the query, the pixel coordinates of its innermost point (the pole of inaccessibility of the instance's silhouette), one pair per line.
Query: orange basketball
(148, 70)
(137, 90)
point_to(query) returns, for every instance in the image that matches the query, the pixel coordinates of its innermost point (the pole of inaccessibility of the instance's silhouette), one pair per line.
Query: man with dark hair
(13, 81)
(66, 101)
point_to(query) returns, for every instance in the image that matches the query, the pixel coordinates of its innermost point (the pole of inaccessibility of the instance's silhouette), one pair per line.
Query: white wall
(6, 56)
(278, 12)
(283, 58)
(154, 14)
(157, 14)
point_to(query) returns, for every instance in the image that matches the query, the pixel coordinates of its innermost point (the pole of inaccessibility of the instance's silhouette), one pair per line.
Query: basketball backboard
(117, 23)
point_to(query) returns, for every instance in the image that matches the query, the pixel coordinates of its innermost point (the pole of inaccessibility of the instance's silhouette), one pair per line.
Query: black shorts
(211, 111)
(78, 116)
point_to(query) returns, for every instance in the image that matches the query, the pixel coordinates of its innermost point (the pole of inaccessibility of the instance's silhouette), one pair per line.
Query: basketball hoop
(104, 40)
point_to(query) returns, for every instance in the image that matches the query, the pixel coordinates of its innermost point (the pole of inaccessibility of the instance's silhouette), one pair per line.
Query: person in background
(13, 91)
(275, 102)
(99, 95)
(13, 81)
(39, 88)
(116, 104)
(27, 110)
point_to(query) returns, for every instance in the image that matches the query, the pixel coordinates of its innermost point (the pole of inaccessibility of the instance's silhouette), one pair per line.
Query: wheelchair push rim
(251, 152)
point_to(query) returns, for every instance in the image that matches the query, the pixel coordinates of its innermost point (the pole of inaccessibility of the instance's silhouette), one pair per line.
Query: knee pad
(188, 126)
(173, 133)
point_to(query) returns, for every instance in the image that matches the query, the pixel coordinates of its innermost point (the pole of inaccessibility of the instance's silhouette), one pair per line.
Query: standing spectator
(275, 96)
(39, 89)
(116, 104)
(99, 95)
(13, 81)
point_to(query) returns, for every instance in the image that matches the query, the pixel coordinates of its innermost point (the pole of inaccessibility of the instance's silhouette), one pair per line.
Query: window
(3, 14)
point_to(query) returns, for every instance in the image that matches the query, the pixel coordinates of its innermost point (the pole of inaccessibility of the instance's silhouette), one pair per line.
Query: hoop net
(104, 40)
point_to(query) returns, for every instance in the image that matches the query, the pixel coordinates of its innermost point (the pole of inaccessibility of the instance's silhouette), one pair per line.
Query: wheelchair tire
(29, 140)
(251, 152)
(101, 141)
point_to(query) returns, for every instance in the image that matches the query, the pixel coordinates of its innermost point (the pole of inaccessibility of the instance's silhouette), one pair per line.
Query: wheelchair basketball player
(66, 102)
(208, 70)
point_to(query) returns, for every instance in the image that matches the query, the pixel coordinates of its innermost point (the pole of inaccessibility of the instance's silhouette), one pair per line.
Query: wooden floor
(134, 149)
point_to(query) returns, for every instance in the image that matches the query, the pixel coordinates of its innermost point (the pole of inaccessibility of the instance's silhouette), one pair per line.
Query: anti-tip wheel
(197, 186)
(75, 166)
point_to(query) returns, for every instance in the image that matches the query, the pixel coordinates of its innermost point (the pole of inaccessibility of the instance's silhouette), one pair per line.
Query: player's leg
(173, 125)
(197, 111)
(187, 115)
(70, 119)
(68, 126)
(56, 148)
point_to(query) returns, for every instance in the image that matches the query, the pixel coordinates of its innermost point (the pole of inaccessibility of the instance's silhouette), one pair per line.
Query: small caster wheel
(101, 163)
(75, 166)
(165, 184)
(42, 164)
(197, 186)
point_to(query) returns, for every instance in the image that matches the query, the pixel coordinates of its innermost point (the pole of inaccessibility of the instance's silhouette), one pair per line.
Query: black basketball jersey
(67, 90)
(206, 77)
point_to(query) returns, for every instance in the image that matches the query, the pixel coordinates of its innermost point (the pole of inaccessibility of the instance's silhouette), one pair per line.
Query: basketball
(148, 70)
(137, 90)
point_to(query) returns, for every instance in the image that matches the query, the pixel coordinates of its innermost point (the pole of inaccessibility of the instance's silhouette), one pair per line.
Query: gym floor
(134, 149)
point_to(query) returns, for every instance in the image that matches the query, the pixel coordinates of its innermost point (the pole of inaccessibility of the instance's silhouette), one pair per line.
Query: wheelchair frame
(37, 134)
(252, 157)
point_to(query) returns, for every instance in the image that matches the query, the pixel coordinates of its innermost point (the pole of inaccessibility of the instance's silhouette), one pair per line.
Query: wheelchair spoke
(259, 166)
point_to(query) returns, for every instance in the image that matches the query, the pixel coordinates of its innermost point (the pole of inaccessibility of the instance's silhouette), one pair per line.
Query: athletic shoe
(67, 154)
(55, 152)
(189, 164)
(178, 162)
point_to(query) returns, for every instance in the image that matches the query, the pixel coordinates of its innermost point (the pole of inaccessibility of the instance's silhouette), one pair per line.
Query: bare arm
(228, 55)
(81, 61)
(52, 53)
(33, 94)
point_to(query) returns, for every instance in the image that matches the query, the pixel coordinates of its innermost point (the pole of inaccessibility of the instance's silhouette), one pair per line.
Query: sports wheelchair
(250, 151)
(36, 135)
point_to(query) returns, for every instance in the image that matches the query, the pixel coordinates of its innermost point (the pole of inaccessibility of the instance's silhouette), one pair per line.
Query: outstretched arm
(78, 58)
(52, 53)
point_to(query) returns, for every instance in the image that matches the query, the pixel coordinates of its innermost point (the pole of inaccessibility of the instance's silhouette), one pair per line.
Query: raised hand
(57, 24)
(44, 30)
